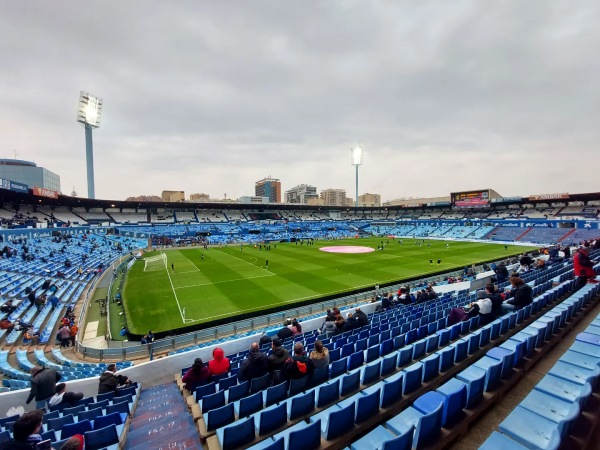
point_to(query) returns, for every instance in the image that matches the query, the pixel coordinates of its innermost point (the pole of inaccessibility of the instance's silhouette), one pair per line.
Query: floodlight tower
(357, 160)
(88, 114)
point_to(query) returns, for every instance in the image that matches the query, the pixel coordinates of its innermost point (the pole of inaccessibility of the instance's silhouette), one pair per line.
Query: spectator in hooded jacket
(255, 365)
(583, 267)
(361, 317)
(329, 326)
(286, 331)
(196, 375)
(278, 356)
(219, 364)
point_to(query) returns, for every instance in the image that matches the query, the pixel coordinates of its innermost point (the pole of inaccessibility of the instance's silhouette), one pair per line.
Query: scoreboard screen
(470, 199)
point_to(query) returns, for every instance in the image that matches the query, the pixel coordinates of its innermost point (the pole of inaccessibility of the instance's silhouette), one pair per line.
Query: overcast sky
(212, 96)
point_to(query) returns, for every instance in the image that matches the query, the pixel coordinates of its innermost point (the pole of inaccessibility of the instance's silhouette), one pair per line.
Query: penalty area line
(175, 294)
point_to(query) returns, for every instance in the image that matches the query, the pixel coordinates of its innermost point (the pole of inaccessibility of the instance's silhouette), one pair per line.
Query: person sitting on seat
(255, 365)
(64, 397)
(219, 364)
(26, 432)
(299, 365)
(196, 376)
(8, 307)
(111, 382)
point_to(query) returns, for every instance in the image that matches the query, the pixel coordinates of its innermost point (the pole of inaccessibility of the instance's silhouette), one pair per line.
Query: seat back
(212, 401)
(100, 404)
(105, 396)
(372, 353)
(356, 360)
(220, 417)
(307, 438)
(338, 367)
(71, 429)
(122, 407)
(272, 419)
(90, 414)
(238, 435)
(320, 375)
(205, 389)
(104, 437)
(297, 385)
(276, 393)
(392, 390)
(412, 378)
(238, 391)
(328, 393)
(402, 442)
(339, 421)
(388, 364)
(104, 421)
(367, 406)
(371, 372)
(75, 410)
(59, 422)
(250, 405)
(260, 383)
(226, 383)
(302, 404)
(350, 383)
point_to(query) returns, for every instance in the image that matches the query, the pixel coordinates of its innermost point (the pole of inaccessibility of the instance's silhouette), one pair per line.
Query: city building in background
(268, 187)
(255, 199)
(29, 173)
(369, 200)
(199, 198)
(334, 197)
(301, 194)
(173, 196)
(144, 198)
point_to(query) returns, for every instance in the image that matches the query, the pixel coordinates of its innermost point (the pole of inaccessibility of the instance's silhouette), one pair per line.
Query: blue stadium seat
(412, 378)
(530, 429)
(334, 420)
(328, 393)
(270, 419)
(425, 416)
(236, 435)
(455, 393)
(383, 439)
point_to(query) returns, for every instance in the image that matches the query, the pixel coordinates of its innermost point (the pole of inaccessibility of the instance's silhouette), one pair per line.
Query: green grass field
(229, 282)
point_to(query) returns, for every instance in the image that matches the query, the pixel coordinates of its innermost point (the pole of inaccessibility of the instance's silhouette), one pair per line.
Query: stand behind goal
(157, 262)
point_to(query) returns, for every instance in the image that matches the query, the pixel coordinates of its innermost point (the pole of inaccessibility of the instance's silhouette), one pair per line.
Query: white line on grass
(197, 268)
(176, 299)
(225, 281)
(250, 264)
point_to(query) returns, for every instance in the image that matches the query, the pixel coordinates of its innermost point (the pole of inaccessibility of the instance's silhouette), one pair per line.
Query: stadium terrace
(135, 293)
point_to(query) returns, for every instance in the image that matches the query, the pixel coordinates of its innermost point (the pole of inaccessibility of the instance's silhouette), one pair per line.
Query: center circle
(347, 249)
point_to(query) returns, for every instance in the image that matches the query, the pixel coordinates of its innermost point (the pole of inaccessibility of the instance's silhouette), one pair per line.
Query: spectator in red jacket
(583, 267)
(196, 376)
(219, 364)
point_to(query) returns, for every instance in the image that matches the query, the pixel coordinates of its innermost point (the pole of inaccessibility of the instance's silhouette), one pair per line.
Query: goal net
(157, 262)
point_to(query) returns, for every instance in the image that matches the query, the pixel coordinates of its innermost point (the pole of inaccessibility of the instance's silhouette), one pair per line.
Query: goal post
(157, 262)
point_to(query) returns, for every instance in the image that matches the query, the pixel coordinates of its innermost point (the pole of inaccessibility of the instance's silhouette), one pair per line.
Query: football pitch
(199, 285)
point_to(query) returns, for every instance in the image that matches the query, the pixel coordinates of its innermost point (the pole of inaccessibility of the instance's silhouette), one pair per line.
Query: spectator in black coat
(501, 273)
(278, 356)
(361, 318)
(521, 295)
(255, 365)
(286, 331)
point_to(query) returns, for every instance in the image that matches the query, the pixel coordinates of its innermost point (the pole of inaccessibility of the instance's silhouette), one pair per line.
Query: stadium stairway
(162, 420)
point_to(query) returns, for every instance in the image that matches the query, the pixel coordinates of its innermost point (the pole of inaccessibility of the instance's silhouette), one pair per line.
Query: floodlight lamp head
(90, 109)
(356, 156)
